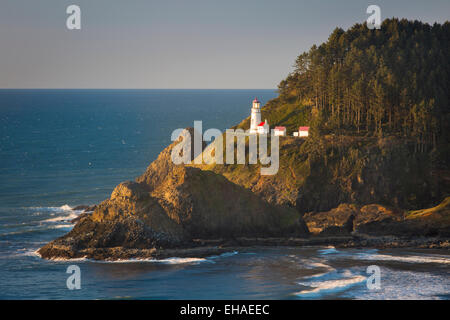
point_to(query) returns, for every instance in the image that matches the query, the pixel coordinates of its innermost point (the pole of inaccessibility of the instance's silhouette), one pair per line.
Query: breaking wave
(168, 261)
(319, 288)
(408, 259)
(328, 250)
(64, 207)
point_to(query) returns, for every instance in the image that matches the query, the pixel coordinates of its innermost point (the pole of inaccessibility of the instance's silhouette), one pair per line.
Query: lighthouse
(255, 116)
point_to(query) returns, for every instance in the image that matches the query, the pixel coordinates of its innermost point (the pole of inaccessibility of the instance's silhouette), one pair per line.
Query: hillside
(318, 174)
(377, 102)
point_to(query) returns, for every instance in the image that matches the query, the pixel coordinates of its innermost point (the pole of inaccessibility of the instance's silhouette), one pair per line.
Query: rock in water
(167, 207)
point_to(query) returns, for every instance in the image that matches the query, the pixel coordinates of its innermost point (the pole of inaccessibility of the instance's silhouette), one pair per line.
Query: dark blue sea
(62, 148)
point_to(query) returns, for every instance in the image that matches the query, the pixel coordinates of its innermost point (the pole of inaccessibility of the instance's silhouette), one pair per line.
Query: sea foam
(320, 288)
(328, 250)
(407, 259)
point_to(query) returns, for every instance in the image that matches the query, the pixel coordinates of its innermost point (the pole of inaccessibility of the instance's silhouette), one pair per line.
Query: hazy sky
(175, 43)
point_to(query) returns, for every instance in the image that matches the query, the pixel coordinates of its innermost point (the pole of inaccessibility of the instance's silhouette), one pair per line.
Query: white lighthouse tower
(256, 116)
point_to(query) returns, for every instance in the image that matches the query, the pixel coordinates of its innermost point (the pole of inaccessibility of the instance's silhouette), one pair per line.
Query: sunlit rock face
(169, 206)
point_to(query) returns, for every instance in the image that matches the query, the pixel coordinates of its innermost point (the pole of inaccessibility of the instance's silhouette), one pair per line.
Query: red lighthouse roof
(256, 100)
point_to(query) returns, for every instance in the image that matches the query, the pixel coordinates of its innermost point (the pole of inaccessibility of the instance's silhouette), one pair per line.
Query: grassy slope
(288, 114)
(441, 211)
(319, 173)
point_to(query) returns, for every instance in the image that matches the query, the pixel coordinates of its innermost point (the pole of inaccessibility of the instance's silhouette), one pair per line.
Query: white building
(255, 116)
(303, 131)
(280, 131)
(263, 127)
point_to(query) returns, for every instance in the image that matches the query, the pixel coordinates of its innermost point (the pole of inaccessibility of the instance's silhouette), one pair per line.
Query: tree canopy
(395, 80)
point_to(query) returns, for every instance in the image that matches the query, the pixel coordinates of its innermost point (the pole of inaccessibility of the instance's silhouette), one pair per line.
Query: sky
(175, 44)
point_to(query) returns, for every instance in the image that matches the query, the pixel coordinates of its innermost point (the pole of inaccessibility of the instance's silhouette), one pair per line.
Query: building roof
(280, 128)
(261, 124)
(256, 100)
(303, 129)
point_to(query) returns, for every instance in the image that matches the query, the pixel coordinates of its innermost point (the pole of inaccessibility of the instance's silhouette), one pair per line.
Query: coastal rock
(431, 222)
(318, 222)
(168, 207)
(378, 220)
(84, 208)
(347, 218)
(179, 207)
(80, 217)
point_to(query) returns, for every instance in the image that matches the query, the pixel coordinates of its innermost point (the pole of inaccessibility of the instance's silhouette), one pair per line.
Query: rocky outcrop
(347, 218)
(84, 208)
(168, 207)
(378, 220)
(171, 208)
(431, 222)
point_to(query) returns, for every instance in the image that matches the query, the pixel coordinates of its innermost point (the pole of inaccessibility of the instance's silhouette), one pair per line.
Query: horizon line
(138, 89)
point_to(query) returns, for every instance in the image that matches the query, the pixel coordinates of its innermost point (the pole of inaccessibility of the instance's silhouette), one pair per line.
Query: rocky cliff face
(333, 182)
(345, 185)
(380, 220)
(169, 206)
(318, 174)
(347, 218)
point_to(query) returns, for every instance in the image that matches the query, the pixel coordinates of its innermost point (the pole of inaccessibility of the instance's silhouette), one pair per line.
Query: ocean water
(62, 148)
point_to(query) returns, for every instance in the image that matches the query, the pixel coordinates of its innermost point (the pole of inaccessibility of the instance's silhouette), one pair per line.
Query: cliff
(320, 173)
(168, 207)
(329, 187)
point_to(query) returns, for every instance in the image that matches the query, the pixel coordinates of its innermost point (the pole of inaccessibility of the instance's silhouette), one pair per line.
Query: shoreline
(206, 248)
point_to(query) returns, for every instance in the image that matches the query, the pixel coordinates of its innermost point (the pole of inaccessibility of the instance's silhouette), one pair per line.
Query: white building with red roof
(280, 131)
(263, 127)
(303, 131)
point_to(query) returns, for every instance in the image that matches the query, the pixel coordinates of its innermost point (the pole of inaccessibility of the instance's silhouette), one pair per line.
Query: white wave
(182, 260)
(319, 265)
(29, 253)
(22, 253)
(407, 259)
(408, 285)
(64, 213)
(38, 229)
(224, 255)
(63, 218)
(173, 260)
(68, 260)
(330, 286)
(170, 261)
(64, 207)
(37, 254)
(63, 226)
(328, 250)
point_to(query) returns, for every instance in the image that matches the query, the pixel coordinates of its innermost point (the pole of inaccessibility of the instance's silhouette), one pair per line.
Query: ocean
(63, 148)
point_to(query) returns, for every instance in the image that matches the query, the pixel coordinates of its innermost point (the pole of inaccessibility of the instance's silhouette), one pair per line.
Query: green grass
(444, 205)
